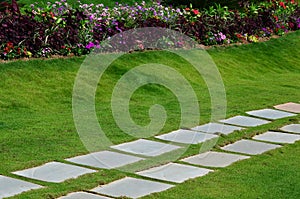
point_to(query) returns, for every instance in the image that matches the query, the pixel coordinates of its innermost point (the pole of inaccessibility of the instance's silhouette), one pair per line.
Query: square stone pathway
(174, 172)
(131, 187)
(291, 107)
(270, 114)
(10, 186)
(245, 121)
(214, 159)
(250, 147)
(105, 159)
(186, 136)
(292, 128)
(217, 128)
(146, 147)
(277, 137)
(83, 195)
(54, 172)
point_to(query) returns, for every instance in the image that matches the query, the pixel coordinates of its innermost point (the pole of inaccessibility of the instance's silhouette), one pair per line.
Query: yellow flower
(29, 54)
(252, 38)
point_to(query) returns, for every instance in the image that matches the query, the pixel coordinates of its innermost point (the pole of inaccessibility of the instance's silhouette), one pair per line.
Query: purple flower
(114, 22)
(91, 17)
(90, 45)
(222, 36)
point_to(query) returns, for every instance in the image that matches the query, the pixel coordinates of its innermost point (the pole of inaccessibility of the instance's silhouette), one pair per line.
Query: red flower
(196, 12)
(239, 35)
(276, 18)
(282, 5)
(187, 9)
(10, 45)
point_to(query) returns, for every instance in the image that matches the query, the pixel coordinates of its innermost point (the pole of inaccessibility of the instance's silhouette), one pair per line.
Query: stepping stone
(10, 186)
(131, 187)
(146, 147)
(245, 121)
(250, 147)
(174, 172)
(290, 107)
(217, 128)
(214, 159)
(83, 195)
(292, 128)
(277, 137)
(186, 137)
(54, 172)
(105, 159)
(270, 114)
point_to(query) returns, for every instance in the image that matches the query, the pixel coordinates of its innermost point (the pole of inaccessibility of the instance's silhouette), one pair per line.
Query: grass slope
(108, 3)
(36, 123)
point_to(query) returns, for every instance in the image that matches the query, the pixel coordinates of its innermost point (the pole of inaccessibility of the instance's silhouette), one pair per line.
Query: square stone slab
(54, 172)
(217, 128)
(277, 137)
(146, 147)
(292, 128)
(83, 195)
(105, 159)
(10, 186)
(290, 107)
(245, 121)
(214, 159)
(249, 147)
(174, 172)
(270, 114)
(131, 187)
(186, 137)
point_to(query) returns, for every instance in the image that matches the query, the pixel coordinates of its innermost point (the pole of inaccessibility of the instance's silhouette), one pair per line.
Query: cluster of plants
(60, 29)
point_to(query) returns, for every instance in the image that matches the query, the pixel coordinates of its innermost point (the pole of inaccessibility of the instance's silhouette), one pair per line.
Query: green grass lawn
(74, 2)
(108, 3)
(36, 123)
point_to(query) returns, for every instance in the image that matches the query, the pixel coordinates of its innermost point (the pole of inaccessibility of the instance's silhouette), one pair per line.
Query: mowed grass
(36, 121)
(108, 3)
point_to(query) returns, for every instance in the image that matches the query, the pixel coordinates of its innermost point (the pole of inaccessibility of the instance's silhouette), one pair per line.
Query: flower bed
(59, 29)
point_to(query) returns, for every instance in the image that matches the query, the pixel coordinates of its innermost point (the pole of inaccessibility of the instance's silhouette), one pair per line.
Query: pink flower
(196, 12)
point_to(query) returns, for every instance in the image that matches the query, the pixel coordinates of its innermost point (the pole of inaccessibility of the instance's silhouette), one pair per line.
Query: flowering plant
(191, 15)
(58, 28)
